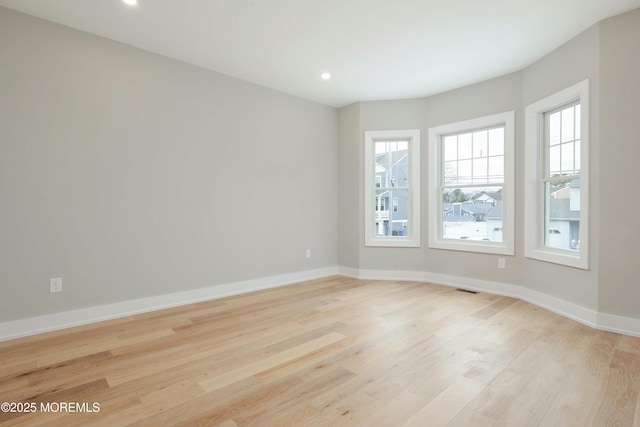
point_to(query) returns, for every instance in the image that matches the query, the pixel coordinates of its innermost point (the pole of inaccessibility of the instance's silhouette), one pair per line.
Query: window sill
(472, 246)
(392, 243)
(569, 259)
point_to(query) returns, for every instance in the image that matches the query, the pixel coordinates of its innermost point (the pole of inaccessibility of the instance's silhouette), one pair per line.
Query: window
(381, 203)
(471, 192)
(557, 178)
(392, 180)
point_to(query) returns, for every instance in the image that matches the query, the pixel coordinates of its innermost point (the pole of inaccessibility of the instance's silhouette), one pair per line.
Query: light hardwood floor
(330, 352)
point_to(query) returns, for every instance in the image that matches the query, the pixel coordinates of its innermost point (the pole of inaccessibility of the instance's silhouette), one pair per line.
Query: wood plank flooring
(330, 352)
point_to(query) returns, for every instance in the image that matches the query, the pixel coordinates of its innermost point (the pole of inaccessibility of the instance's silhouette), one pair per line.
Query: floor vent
(467, 291)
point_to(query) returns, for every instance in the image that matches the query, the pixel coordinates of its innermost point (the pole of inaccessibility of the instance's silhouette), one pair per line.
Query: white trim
(533, 172)
(57, 321)
(67, 319)
(508, 187)
(411, 276)
(477, 285)
(619, 324)
(413, 239)
(581, 314)
(586, 316)
(348, 272)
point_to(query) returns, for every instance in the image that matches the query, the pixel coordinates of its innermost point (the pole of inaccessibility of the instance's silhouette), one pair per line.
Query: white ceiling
(374, 49)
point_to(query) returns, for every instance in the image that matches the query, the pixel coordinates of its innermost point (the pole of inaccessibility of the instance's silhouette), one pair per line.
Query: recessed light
(325, 76)
(131, 2)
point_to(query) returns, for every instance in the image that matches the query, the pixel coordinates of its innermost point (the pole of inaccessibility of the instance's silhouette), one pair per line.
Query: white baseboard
(548, 302)
(619, 324)
(348, 272)
(414, 276)
(471, 284)
(586, 316)
(56, 321)
(559, 306)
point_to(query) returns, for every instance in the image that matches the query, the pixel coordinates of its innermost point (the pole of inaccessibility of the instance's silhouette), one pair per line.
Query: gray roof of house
(472, 208)
(495, 195)
(559, 209)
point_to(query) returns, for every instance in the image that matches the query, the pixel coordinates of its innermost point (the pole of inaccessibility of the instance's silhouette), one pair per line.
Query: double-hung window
(471, 191)
(557, 178)
(392, 188)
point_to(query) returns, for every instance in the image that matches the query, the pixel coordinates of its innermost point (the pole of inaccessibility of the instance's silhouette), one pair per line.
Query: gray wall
(129, 174)
(619, 280)
(349, 177)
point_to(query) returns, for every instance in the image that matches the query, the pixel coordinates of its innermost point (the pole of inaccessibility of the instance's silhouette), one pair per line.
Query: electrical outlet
(502, 263)
(308, 253)
(55, 285)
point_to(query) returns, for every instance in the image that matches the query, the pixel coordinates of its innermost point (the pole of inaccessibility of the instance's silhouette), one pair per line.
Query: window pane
(496, 168)
(450, 173)
(382, 200)
(464, 171)
(562, 215)
(450, 148)
(398, 217)
(391, 163)
(567, 124)
(391, 213)
(400, 168)
(480, 170)
(472, 214)
(382, 161)
(563, 156)
(464, 146)
(382, 213)
(496, 142)
(480, 144)
(567, 158)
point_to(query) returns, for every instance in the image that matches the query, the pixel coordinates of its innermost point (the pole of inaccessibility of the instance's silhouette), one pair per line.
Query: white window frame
(412, 240)
(534, 174)
(436, 134)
